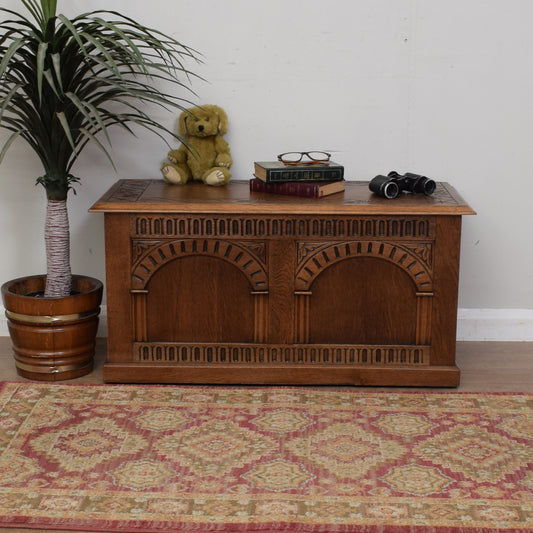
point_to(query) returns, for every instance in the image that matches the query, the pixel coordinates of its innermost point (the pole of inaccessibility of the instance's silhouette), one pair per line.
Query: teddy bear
(207, 158)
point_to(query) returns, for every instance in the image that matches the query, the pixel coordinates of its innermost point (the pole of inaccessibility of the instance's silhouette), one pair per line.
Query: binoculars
(391, 185)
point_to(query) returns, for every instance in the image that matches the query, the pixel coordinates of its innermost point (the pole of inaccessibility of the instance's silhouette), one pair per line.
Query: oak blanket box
(224, 285)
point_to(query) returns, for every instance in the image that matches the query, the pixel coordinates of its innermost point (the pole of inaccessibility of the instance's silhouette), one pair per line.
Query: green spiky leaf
(66, 82)
(11, 139)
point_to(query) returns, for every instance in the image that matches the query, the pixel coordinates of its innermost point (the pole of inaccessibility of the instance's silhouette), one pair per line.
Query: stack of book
(314, 181)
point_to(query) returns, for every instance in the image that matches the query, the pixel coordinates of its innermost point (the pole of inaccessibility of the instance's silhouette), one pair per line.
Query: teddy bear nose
(201, 127)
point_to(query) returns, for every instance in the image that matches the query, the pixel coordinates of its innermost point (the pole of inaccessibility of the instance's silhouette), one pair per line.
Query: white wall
(441, 87)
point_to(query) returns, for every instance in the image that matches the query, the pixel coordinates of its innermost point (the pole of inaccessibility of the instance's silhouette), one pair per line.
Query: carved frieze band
(271, 226)
(273, 354)
(313, 258)
(247, 257)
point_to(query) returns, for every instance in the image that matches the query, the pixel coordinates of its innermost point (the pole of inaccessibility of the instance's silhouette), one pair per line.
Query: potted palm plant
(64, 82)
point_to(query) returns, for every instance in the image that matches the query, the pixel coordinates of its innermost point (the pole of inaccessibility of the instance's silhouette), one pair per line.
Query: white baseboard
(472, 324)
(102, 324)
(495, 325)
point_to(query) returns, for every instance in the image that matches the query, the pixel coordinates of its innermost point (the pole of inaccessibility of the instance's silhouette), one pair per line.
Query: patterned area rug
(168, 458)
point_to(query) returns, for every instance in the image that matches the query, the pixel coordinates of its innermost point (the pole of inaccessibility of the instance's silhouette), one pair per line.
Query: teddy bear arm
(178, 156)
(221, 146)
(223, 158)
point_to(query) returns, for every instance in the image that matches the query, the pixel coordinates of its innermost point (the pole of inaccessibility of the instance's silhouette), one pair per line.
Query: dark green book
(277, 172)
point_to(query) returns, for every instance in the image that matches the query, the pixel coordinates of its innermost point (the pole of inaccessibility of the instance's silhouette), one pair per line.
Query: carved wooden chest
(220, 285)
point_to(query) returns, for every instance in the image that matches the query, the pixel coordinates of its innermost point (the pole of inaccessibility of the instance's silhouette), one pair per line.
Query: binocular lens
(385, 187)
(390, 190)
(429, 187)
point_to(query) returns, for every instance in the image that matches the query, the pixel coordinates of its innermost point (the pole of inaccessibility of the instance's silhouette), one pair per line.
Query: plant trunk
(57, 239)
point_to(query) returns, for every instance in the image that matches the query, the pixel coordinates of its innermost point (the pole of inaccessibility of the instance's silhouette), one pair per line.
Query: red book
(298, 188)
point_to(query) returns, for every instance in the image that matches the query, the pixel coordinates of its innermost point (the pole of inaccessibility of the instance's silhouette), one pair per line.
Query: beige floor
(485, 367)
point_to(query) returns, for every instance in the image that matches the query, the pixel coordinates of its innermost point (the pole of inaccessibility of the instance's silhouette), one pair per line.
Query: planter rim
(6, 287)
(29, 304)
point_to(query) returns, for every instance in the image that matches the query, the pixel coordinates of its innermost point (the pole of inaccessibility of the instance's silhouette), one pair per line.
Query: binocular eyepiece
(391, 185)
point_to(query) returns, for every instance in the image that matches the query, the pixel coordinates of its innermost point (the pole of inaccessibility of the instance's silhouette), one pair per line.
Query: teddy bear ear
(182, 124)
(222, 120)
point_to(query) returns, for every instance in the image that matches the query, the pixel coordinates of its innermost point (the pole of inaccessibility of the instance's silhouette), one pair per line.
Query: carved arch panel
(314, 258)
(413, 261)
(241, 260)
(248, 258)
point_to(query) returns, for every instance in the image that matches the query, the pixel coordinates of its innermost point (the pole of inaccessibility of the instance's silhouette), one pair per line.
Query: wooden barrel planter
(53, 338)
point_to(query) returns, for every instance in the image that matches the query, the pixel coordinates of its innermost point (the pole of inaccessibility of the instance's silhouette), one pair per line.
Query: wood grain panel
(363, 301)
(199, 299)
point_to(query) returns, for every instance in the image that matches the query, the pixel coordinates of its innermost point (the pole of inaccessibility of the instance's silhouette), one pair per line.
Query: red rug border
(101, 526)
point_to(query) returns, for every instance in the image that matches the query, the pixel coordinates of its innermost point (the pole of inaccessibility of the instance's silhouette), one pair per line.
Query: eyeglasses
(313, 158)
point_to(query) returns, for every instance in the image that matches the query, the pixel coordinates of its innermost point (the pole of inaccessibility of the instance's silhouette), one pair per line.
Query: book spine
(318, 174)
(307, 190)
